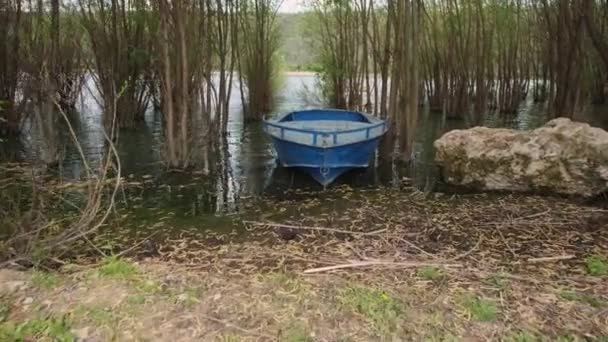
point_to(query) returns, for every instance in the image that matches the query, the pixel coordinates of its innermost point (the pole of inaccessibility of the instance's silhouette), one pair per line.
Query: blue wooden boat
(325, 143)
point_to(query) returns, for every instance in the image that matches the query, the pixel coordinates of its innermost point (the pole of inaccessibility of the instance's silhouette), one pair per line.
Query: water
(248, 169)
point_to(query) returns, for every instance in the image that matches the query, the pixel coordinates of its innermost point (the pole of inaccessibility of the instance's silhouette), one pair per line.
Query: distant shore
(300, 73)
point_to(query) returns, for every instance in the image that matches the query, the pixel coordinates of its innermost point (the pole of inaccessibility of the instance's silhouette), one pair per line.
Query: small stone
(182, 297)
(28, 301)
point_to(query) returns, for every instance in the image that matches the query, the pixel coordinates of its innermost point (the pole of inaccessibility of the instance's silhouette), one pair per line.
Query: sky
(290, 6)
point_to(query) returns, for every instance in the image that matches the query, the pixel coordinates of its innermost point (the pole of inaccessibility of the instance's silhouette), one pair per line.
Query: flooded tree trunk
(222, 22)
(176, 82)
(11, 104)
(43, 39)
(599, 37)
(257, 58)
(120, 44)
(483, 77)
(565, 26)
(404, 75)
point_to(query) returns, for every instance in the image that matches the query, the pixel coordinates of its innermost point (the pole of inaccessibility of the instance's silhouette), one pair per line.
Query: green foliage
(50, 328)
(296, 40)
(480, 309)
(117, 268)
(596, 265)
(430, 273)
(376, 305)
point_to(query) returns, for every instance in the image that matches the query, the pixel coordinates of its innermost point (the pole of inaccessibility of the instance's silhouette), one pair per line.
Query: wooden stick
(137, 244)
(465, 254)
(533, 215)
(553, 258)
(377, 263)
(333, 230)
(233, 326)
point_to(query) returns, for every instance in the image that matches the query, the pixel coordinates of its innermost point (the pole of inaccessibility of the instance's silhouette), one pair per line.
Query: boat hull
(325, 164)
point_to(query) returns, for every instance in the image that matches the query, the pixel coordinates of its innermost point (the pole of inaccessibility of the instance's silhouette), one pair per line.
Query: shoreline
(425, 267)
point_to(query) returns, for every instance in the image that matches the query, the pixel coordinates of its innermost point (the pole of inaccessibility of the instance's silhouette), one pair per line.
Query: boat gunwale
(313, 166)
(370, 117)
(332, 146)
(373, 123)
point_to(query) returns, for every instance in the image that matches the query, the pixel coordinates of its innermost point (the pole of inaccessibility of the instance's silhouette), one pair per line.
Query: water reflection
(245, 164)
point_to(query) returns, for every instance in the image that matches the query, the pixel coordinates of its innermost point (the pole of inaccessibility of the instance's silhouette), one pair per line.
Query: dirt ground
(378, 266)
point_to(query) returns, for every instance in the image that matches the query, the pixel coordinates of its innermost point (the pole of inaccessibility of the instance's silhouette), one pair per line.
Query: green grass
(98, 315)
(442, 338)
(45, 280)
(39, 329)
(193, 296)
(523, 336)
(583, 298)
(481, 309)
(137, 299)
(287, 282)
(6, 303)
(596, 265)
(571, 338)
(376, 305)
(113, 267)
(296, 333)
(230, 338)
(149, 286)
(430, 273)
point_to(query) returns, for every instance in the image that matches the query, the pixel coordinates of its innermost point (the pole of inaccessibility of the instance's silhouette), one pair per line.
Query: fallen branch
(533, 215)
(377, 263)
(467, 253)
(550, 259)
(137, 244)
(333, 230)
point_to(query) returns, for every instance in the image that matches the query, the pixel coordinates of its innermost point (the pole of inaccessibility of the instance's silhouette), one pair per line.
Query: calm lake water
(248, 168)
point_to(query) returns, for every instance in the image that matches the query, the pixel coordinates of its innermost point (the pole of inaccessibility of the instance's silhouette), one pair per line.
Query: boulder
(562, 157)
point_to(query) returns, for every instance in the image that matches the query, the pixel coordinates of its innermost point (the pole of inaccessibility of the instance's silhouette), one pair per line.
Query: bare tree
(13, 96)
(120, 43)
(259, 38)
(404, 92)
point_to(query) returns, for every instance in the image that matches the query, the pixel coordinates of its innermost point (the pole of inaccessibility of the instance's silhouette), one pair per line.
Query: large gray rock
(562, 157)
